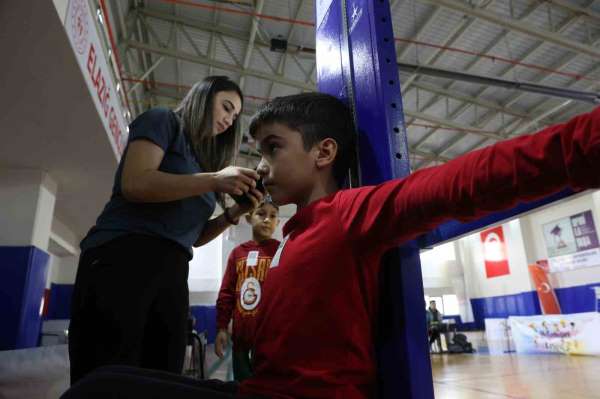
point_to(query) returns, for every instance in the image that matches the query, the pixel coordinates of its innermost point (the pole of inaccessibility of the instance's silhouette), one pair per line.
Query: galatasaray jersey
(241, 289)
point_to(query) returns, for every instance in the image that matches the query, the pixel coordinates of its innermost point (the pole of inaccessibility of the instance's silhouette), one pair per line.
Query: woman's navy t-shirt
(181, 221)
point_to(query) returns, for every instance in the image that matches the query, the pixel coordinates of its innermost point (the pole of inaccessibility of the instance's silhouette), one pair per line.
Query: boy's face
(289, 171)
(264, 220)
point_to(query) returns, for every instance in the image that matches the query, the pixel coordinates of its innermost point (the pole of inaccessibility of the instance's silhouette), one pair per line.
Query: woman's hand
(235, 180)
(237, 210)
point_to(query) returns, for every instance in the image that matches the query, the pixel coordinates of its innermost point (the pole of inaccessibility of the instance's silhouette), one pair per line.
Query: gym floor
(514, 376)
(42, 374)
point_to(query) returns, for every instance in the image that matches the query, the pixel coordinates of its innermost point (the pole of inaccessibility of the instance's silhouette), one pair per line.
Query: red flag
(494, 252)
(539, 275)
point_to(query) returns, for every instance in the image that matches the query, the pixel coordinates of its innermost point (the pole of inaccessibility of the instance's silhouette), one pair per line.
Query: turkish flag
(494, 252)
(548, 300)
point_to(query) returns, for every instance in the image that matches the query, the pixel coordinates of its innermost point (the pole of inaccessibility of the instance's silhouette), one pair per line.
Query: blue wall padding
(23, 272)
(522, 304)
(572, 300)
(59, 307)
(59, 304)
(577, 299)
(206, 320)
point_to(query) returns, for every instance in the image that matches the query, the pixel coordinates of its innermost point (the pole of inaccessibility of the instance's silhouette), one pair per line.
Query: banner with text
(81, 29)
(572, 242)
(573, 334)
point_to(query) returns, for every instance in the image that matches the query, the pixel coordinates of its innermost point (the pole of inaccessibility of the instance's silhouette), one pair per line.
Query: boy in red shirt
(240, 292)
(315, 330)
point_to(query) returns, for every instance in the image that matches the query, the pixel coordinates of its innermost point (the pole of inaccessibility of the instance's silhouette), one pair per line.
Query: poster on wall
(573, 334)
(572, 242)
(494, 252)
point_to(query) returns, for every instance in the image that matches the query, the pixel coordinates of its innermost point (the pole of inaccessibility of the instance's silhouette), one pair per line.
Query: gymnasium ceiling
(165, 46)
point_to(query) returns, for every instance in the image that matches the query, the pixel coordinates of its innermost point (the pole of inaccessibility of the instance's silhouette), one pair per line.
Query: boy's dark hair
(268, 202)
(316, 116)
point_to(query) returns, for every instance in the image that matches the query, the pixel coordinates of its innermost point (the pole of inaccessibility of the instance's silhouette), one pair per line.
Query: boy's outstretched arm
(478, 183)
(225, 304)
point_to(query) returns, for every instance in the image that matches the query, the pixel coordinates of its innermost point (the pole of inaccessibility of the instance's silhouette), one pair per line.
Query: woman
(130, 301)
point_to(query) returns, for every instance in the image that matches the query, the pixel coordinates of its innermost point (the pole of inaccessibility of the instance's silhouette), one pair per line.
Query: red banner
(539, 275)
(494, 252)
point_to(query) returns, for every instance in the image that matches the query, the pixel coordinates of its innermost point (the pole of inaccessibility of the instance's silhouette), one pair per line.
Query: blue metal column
(356, 61)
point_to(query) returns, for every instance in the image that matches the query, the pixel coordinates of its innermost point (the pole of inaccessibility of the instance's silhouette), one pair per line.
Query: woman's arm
(217, 225)
(212, 229)
(143, 182)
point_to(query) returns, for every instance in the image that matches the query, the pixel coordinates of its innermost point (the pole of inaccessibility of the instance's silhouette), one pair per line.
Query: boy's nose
(262, 169)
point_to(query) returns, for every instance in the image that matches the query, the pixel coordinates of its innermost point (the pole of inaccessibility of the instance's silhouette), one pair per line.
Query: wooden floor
(42, 373)
(515, 376)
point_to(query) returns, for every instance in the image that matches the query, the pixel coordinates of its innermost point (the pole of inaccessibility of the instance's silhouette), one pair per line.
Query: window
(450, 305)
(447, 304)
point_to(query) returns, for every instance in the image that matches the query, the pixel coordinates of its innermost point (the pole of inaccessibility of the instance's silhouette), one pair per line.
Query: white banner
(85, 41)
(498, 337)
(574, 261)
(574, 334)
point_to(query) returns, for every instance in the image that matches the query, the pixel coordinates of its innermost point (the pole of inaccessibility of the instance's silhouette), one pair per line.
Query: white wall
(438, 265)
(470, 254)
(62, 270)
(44, 212)
(27, 198)
(61, 8)
(525, 245)
(63, 240)
(205, 267)
(443, 274)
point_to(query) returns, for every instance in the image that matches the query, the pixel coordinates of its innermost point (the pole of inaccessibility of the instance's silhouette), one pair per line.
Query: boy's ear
(248, 217)
(327, 151)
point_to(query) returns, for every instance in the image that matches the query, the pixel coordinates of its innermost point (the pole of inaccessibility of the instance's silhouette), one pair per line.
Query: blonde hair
(195, 112)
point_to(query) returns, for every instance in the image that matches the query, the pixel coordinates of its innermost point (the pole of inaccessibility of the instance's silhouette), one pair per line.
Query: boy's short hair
(316, 116)
(266, 201)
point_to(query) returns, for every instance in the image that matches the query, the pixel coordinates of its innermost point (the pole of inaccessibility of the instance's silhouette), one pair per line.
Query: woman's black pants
(130, 306)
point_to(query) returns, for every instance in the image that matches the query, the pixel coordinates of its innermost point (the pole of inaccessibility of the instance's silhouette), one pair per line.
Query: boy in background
(240, 292)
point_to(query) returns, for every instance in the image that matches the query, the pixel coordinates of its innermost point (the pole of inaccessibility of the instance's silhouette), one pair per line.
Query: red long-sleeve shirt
(315, 329)
(240, 292)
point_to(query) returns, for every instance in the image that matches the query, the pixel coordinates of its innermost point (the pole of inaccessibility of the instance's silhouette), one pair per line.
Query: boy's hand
(221, 342)
(234, 180)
